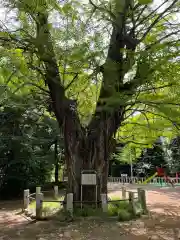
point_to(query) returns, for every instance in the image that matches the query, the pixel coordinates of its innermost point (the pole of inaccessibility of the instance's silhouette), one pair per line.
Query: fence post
(139, 194)
(143, 201)
(104, 202)
(38, 190)
(69, 203)
(123, 192)
(56, 192)
(131, 201)
(26, 198)
(39, 205)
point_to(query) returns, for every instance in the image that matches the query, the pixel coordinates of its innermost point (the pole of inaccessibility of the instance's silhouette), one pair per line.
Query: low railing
(133, 197)
(138, 180)
(125, 180)
(135, 180)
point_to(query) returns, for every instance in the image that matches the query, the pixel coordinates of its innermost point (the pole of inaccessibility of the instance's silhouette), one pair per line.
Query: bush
(124, 215)
(121, 209)
(114, 207)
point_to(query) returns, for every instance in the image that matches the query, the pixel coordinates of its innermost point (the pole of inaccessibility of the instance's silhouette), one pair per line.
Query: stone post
(104, 202)
(39, 205)
(131, 201)
(69, 203)
(26, 199)
(123, 192)
(56, 191)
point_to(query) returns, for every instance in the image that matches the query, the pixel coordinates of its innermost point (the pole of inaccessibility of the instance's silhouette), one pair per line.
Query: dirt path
(163, 222)
(11, 214)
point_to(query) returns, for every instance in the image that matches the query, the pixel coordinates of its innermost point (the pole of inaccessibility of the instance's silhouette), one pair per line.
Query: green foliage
(144, 2)
(123, 210)
(150, 158)
(124, 215)
(173, 155)
(26, 137)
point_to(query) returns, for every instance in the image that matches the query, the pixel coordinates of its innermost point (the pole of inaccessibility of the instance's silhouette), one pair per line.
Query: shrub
(124, 215)
(121, 209)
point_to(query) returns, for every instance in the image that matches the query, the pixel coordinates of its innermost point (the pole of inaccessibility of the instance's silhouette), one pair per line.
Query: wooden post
(26, 199)
(143, 201)
(123, 192)
(56, 191)
(131, 201)
(39, 205)
(38, 190)
(104, 202)
(69, 203)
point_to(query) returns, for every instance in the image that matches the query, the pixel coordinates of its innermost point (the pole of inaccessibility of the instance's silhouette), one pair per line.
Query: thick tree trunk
(91, 151)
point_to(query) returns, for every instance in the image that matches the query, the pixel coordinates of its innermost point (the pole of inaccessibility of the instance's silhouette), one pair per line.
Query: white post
(39, 205)
(38, 190)
(123, 192)
(69, 203)
(56, 191)
(26, 198)
(104, 202)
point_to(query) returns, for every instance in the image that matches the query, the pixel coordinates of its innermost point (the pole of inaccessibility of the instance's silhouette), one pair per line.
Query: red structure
(161, 173)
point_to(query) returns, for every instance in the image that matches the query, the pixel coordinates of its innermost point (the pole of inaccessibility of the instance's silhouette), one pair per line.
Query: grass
(49, 208)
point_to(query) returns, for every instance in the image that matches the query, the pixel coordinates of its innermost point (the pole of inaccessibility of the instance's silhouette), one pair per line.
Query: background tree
(27, 136)
(150, 159)
(174, 154)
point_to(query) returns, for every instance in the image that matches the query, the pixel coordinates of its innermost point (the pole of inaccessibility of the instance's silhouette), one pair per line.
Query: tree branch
(73, 80)
(157, 19)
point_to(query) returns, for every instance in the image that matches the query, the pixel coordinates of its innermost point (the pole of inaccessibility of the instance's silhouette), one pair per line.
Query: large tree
(94, 85)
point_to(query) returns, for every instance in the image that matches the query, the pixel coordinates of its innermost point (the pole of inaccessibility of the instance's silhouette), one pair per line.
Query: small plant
(124, 215)
(112, 210)
(123, 210)
(116, 205)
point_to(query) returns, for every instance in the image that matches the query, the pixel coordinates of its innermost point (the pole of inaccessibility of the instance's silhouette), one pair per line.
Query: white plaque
(88, 179)
(123, 175)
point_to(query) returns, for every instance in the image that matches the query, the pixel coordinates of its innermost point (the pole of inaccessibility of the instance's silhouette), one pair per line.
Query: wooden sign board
(88, 179)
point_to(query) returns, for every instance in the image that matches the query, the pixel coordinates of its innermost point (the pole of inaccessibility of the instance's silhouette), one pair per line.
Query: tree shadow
(11, 205)
(157, 226)
(162, 223)
(161, 226)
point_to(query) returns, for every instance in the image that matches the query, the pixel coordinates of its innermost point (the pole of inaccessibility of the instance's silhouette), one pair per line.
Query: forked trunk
(87, 153)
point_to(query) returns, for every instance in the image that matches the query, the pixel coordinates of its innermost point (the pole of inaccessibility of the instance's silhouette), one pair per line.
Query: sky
(9, 18)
